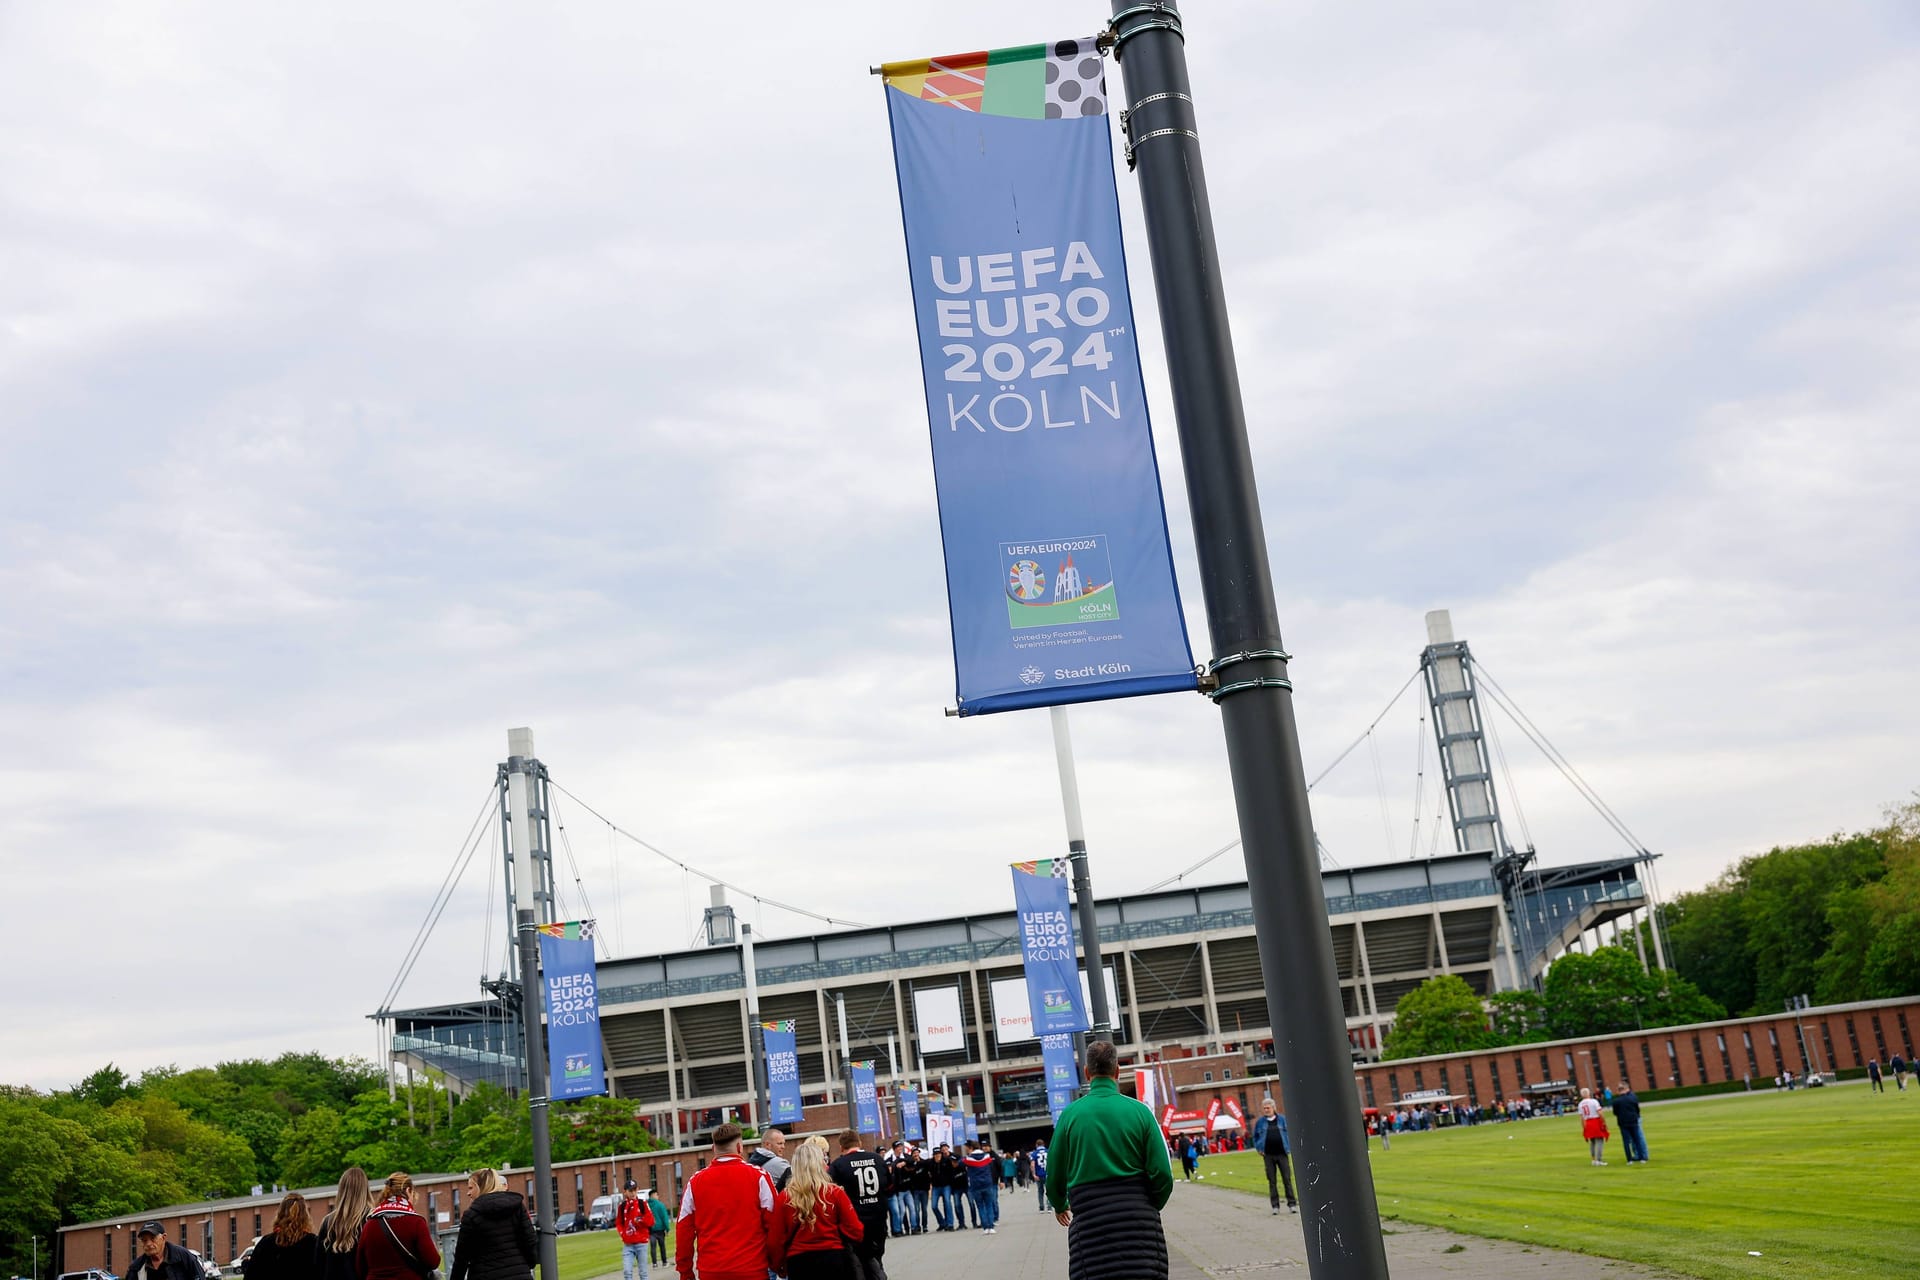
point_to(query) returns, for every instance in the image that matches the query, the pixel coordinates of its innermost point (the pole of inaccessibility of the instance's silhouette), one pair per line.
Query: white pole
(520, 744)
(1069, 782)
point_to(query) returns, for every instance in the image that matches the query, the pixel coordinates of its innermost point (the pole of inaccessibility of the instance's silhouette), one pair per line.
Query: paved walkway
(1215, 1234)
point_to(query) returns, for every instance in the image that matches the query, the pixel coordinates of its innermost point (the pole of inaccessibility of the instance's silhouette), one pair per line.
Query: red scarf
(394, 1202)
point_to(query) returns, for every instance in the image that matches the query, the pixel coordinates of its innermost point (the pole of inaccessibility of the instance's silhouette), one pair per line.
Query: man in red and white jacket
(634, 1221)
(726, 1217)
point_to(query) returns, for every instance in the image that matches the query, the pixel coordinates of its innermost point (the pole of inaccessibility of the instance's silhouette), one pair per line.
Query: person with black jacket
(291, 1251)
(1626, 1113)
(155, 1259)
(496, 1240)
(863, 1176)
(957, 1191)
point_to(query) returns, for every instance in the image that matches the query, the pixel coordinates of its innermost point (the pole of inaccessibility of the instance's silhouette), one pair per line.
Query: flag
(1060, 584)
(568, 985)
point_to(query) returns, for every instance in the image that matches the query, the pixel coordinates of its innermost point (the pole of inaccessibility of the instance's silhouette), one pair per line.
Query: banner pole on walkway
(1249, 667)
(1082, 874)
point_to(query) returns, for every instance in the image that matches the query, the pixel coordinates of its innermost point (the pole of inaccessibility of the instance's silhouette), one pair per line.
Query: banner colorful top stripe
(1031, 82)
(1057, 868)
(786, 1025)
(1060, 583)
(573, 930)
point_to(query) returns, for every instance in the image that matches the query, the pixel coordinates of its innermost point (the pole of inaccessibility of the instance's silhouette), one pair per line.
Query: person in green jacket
(1108, 1177)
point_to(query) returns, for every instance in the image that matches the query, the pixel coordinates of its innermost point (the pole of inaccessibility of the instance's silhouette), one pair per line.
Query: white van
(600, 1213)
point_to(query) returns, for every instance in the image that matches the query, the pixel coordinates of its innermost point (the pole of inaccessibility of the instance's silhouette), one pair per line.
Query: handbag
(425, 1272)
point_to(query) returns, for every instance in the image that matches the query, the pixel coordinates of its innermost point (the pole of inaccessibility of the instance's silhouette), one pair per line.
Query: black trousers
(1285, 1167)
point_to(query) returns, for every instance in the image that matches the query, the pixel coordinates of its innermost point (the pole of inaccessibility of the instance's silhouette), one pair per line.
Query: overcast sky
(374, 378)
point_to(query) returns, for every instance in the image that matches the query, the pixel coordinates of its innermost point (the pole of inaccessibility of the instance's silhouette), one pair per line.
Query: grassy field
(586, 1254)
(1819, 1183)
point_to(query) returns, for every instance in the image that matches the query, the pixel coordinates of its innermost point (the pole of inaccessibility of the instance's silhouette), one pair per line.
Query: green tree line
(1838, 919)
(113, 1145)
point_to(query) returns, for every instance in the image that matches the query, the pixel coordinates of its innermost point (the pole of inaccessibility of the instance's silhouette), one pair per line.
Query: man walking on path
(155, 1259)
(860, 1174)
(726, 1217)
(1626, 1112)
(634, 1221)
(770, 1157)
(1108, 1177)
(1899, 1065)
(1039, 1162)
(662, 1223)
(1270, 1140)
(983, 1185)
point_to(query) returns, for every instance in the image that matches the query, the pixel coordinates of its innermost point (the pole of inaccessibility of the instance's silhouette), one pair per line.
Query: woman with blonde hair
(496, 1240)
(813, 1222)
(340, 1229)
(292, 1251)
(396, 1243)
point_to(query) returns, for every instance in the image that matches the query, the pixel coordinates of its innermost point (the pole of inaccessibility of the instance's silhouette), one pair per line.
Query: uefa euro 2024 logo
(1060, 581)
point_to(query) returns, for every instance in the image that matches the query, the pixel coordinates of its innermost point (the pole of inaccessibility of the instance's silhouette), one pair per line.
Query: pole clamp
(1161, 17)
(1215, 690)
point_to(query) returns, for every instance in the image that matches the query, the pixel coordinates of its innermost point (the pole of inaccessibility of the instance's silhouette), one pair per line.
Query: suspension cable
(440, 899)
(689, 867)
(1559, 761)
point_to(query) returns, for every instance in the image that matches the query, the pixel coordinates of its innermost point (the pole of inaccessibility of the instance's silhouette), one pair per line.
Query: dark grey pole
(1340, 1217)
(537, 1099)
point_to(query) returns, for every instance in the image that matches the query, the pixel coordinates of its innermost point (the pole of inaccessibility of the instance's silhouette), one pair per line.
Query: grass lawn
(1821, 1183)
(585, 1254)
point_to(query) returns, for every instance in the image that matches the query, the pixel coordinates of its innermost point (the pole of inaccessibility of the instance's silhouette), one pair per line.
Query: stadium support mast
(1460, 734)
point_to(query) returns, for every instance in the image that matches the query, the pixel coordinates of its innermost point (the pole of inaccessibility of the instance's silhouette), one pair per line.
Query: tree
(1441, 1015)
(599, 1127)
(311, 1150)
(1608, 991)
(1517, 1017)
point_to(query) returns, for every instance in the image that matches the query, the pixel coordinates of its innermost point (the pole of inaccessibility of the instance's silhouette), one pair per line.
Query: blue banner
(573, 1010)
(1046, 945)
(910, 1113)
(1060, 583)
(866, 1099)
(973, 1128)
(1062, 1072)
(936, 1105)
(783, 1073)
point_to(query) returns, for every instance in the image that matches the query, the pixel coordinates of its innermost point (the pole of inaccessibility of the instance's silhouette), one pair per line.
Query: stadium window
(1227, 1073)
(1546, 1067)
(1419, 1079)
(433, 1206)
(108, 1259)
(1773, 1042)
(1444, 1083)
(1806, 1060)
(1753, 1061)
(1699, 1058)
(1673, 1061)
(1853, 1040)
(1906, 1039)
(1473, 1092)
(456, 1202)
(1879, 1036)
(1393, 1084)
(1520, 1071)
(1826, 1038)
(233, 1235)
(1366, 1083)
(1493, 1075)
(256, 1224)
(1206, 1077)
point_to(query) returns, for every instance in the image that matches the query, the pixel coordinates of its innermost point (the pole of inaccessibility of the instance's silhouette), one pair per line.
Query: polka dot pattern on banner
(1076, 80)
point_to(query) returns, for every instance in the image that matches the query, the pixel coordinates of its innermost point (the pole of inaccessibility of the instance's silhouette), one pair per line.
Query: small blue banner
(1046, 945)
(866, 1098)
(936, 1105)
(783, 1073)
(973, 1127)
(910, 1113)
(573, 1010)
(1062, 1072)
(1060, 584)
